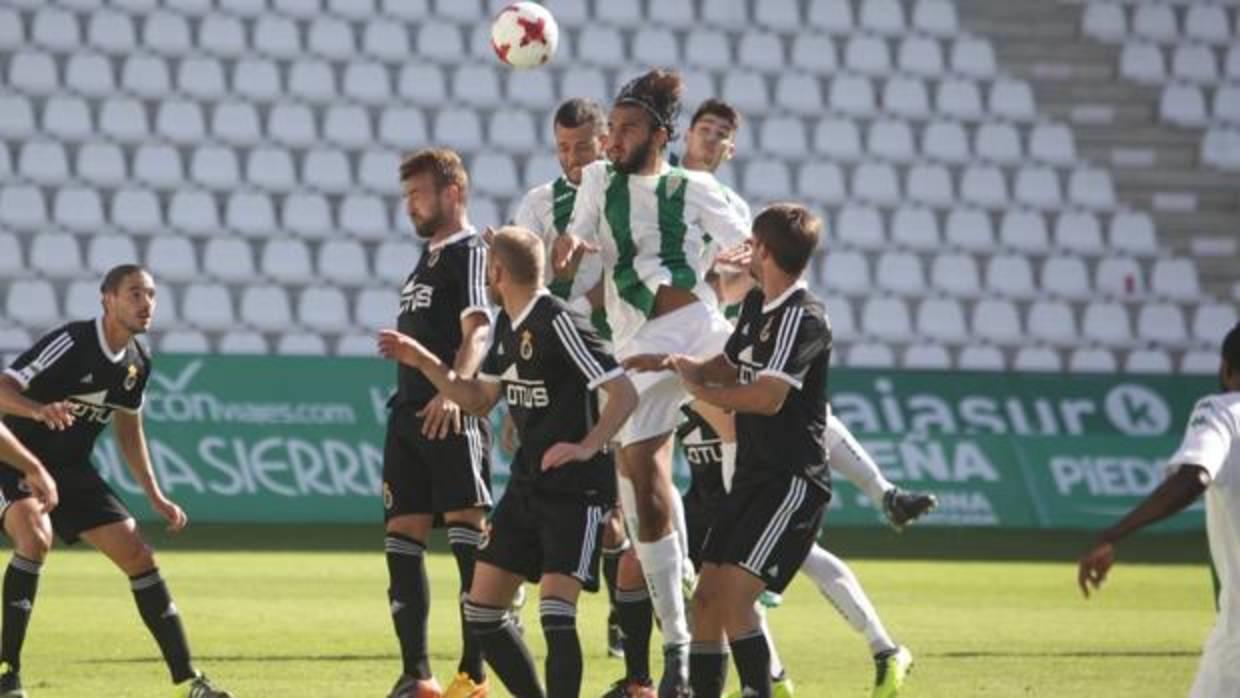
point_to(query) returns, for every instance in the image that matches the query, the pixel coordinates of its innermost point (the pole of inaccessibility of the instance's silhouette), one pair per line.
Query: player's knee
(137, 559)
(36, 544)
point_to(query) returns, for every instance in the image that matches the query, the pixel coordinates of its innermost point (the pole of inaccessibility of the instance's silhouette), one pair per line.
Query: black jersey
(448, 284)
(788, 338)
(74, 363)
(704, 451)
(549, 361)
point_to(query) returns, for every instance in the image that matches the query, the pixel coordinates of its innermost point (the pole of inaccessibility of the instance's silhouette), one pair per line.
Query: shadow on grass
(916, 543)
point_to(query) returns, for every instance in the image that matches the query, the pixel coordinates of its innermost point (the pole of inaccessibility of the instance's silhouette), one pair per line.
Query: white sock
(680, 525)
(663, 563)
(851, 460)
(628, 504)
(777, 665)
(838, 583)
(729, 463)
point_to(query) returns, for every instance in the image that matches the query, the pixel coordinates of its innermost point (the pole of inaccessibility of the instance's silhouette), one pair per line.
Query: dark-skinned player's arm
(474, 395)
(621, 401)
(131, 437)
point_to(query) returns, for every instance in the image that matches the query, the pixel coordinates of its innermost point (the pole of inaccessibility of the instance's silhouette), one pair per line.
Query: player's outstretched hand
(688, 368)
(734, 258)
(565, 452)
(400, 347)
(566, 253)
(1093, 567)
(56, 416)
(440, 417)
(43, 487)
(172, 513)
(642, 363)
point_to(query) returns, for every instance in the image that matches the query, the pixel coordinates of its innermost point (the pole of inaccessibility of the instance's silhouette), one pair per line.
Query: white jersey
(1212, 441)
(652, 231)
(546, 210)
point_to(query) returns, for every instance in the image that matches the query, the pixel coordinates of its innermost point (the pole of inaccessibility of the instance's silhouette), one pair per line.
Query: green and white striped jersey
(652, 231)
(546, 210)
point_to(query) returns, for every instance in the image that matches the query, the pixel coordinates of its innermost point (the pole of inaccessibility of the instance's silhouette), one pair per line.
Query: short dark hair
(718, 108)
(790, 232)
(116, 276)
(1231, 348)
(442, 164)
(580, 111)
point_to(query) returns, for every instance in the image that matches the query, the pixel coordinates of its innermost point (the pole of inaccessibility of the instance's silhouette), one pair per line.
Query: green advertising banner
(293, 439)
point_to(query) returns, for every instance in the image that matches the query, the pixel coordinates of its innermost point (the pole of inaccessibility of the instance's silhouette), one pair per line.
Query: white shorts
(1218, 676)
(695, 330)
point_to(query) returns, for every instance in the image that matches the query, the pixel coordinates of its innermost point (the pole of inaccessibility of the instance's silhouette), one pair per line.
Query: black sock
(564, 664)
(21, 584)
(708, 669)
(409, 596)
(465, 540)
(162, 619)
(753, 663)
(505, 651)
(636, 622)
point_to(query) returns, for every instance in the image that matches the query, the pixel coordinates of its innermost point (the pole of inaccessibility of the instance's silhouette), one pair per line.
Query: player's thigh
(660, 396)
(512, 544)
(29, 528)
(123, 544)
(406, 474)
(459, 467)
(494, 586)
(769, 528)
(570, 532)
(647, 462)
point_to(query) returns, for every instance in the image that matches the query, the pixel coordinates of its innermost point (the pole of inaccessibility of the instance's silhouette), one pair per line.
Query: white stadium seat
(250, 214)
(1037, 359)
(1175, 278)
(930, 185)
(970, 229)
(364, 217)
(23, 208)
(1132, 232)
(301, 344)
(980, 357)
(12, 261)
(1052, 144)
(942, 320)
(56, 255)
(959, 99)
(1194, 63)
(759, 50)
(1107, 323)
(945, 141)
(973, 57)
(394, 260)
(43, 162)
(68, 119)
(927, 357)
(256, 79)
(1038, 187)
(1024, 231)
(158, 166)
(935, 17)
(882, 17)
(867, 55)
(876, 183)
(79, 210)
(1212, 321)
(1148, 361)
(1078, 232)
(1091, 188)
(1012, 99)
(111, 31)
(1142, 63)
(1066, 277)
(228, 259)
(767, 179)
(811, 52)
(137, 211)
(984, 186)
(243, 343)
(313, 81)
(1092, 360)
(171, 258)
(887, 319)
(892, 140)
(906, 96)
(838, 139)
(861, 227)
(323, 309)
(1162, 323)
(834, 16)
(124, 120)
(852, 95)
(1207, 23)
(822, 182)
(32, 302)
(785, 137)
(1010, 276)
(276, 37)
(286, 261)
(1155, 22)
(307, 215)
(800, 93)
(145, 76)
(235, 123)
(871, 355)
(1119, 277)
(997, 320)
(915, 229)
(375, 309)
(266, 308)
(89, 74)
(208, 307)
(332, 38)
(921, 56)
(955, 275)
(1105, 21)
(1052, 322)
(847, 273)
(601, 46)
(997, 142)
(326, 170)
(708, 49)
(201, 78)
(184, 342)
(222, 36)
(747, 91)
(1200, 362)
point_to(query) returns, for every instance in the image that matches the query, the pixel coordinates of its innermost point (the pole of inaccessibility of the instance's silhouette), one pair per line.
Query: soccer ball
(524, 35)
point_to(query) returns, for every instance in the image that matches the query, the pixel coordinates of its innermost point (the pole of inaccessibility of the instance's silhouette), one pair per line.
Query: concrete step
(1052, 71)
(1106, 91)
(1015, 51)
(1201, 222)
(1147, 136)
(1170, 178)
(1138, 156)
(1126, 116)
(1167, 199)
(1024, 11)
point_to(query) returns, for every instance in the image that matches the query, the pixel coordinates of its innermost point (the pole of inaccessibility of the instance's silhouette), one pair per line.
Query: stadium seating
(247, 151)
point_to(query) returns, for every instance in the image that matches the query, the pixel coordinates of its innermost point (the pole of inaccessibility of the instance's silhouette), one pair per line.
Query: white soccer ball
(524, 35)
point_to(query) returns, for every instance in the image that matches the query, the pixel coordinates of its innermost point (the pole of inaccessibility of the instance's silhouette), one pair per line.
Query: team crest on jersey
(387, 496)
(765, 335)
(527, 344)
(131, 377)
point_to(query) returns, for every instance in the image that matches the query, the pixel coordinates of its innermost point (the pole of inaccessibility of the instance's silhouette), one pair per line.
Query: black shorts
(699, 517)
(86, 501)
(430, 476)
(768, 529)
(535, 533)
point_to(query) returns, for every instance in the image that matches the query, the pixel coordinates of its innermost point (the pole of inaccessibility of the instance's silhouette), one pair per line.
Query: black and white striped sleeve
(802, 336)
(41, 359)
(585, 351)
(474, 299)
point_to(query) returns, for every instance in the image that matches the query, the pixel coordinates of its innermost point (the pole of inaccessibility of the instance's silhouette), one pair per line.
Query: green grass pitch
(303, 612)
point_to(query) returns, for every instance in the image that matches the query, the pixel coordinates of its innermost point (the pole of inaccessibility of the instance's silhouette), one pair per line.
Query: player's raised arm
(475, 396)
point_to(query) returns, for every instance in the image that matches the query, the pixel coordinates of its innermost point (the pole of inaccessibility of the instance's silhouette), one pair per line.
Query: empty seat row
(982, 357)
(1028, 232)
(1220, 148)
(985, 186)
(1186, 105)
(1013, 276)
(899, 141)
(1205, 22)
(1190, 62)
(1049, 323)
